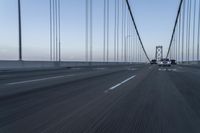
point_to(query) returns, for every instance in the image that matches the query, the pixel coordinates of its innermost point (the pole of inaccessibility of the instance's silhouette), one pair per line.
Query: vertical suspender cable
(108, 28)
(183, 31)
(55, 36)
(53, 11)
(122, 43)
(133, 42)
(125, 40)
(135, 50)
(189, 30)
(140, 55)
(91, 30)
(175, 39)
(179, 37)
(104, 31)
(86, 30)
(170, 55)
(187, 11)
(56, 27)
(20, 30)
(131, 49)
(50, 11)
(128, 37)
(59, 34)
(198, 34)
(194, 27)
(115, 30)
(127, 44)
(138, 52)
(177, 43)
(136, 41)
(55, 30)
(172, 49)
(175, 46)
(131, 39)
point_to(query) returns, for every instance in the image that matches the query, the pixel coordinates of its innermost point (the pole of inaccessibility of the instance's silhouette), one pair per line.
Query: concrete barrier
(190, 62)
(7, 65)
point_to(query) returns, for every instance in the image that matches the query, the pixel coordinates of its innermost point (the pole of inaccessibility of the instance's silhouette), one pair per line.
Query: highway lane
(148, 99)
(187, 80)
(63, 92)
(17, 82)
(17, 75)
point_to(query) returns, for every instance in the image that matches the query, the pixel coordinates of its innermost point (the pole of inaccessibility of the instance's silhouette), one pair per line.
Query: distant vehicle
(154, 61)
(164, 62)
(173, 62)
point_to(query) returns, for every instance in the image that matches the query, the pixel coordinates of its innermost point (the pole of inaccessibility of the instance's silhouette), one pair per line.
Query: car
(164, 62)
(153, 61)
(173, 62)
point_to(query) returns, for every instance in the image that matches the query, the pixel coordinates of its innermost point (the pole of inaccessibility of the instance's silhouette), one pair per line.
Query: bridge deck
(141, 99)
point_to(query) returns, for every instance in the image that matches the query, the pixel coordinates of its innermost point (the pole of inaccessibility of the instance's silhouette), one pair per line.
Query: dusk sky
(154, 18)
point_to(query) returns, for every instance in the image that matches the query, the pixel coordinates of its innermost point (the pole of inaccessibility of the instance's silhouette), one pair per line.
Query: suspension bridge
(111, 86)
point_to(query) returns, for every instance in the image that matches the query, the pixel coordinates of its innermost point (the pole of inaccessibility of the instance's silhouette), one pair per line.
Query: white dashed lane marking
(119, 84)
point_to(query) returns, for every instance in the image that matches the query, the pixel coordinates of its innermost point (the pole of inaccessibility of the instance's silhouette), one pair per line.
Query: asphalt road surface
(129, 99)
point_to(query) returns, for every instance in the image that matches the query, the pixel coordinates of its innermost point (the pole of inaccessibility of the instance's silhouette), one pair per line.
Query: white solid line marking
(117, 85)
(36, 80)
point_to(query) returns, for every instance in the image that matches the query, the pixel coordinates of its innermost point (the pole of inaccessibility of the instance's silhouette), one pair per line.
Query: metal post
(20, 30)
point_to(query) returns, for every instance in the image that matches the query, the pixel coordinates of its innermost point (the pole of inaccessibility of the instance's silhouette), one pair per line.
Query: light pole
(20, 30)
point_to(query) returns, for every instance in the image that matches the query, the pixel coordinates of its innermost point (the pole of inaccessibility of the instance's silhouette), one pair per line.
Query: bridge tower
(159, 52)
